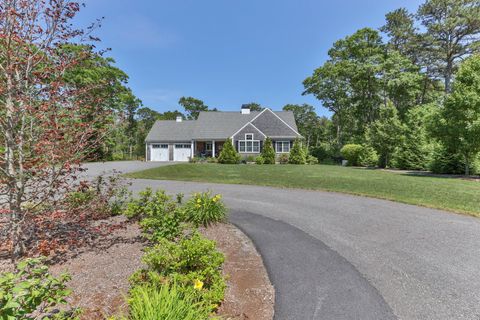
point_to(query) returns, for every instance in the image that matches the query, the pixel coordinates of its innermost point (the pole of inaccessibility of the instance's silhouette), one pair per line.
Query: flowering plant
(205, 209)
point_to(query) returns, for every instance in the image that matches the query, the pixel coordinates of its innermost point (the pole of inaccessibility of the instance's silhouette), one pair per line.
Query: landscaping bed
(101, 271)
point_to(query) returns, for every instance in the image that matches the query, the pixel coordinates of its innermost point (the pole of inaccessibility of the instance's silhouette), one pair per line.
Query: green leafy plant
(368, 157)
(229, 155)
(268, 153)
(283, 158)
(158, 213)
(211, 160)
(205, 209)
(297, 154)
(352, 153)
(193, 262)
(105, 196)
(180, 197)
(31, 289)
(311, 159)
(168, 301)
(250, 158)
(259, 160)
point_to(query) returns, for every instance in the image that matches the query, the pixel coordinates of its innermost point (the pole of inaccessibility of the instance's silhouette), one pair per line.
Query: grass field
(451, 194)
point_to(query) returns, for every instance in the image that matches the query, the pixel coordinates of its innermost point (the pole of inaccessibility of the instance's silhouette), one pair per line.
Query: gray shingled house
(179, 140)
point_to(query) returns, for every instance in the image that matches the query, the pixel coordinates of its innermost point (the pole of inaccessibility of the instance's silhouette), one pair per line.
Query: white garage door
(181, 152)
(159, 152)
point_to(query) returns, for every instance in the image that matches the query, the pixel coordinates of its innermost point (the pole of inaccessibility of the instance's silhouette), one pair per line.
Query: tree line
(406, 92)
(414, 97)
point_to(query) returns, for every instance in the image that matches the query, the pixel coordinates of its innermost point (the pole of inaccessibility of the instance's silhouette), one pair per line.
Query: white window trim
(246, 141)
(282, 142)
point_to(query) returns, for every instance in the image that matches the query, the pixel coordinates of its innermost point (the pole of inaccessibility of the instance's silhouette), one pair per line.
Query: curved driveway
(336, 256)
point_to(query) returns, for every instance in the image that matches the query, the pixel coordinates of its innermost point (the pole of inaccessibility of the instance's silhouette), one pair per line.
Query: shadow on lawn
(424, 174)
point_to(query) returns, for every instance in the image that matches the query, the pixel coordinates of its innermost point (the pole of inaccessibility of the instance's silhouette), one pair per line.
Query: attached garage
(159, 152)
(182, 152)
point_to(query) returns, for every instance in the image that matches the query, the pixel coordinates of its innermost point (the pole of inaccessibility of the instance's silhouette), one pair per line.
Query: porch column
(213, 148)
(192, 149)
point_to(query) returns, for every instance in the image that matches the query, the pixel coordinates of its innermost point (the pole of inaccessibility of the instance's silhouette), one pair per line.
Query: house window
(208, 146)
(182, 146)
(159, 146)
(282, 146)
(249, 145)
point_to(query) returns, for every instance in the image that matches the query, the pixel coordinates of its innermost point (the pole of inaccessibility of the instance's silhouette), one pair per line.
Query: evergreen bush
(368, 157)
(268, 153)
(229, 155)
(297, 154)
(259, 160)
(352, 153)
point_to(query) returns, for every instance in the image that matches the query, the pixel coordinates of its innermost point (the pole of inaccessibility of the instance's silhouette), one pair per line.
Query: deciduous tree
(42, 116)
(458, 121)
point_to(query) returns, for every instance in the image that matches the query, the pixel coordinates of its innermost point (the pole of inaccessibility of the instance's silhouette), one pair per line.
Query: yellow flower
(197, 206)
(197, 284)
(199, 201)
(214, 199)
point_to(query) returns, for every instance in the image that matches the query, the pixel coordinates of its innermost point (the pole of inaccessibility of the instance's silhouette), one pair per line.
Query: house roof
(220, 125)
(171, 130)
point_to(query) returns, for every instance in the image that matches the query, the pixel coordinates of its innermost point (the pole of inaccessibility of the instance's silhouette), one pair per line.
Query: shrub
(117, 156)
(297, 154)
(445, 161)
(229, 155)
(211, 160)
(368, 157)
(250, 158)
(352, 153)
(203, 209)
(158, 214)
(193, 262)
(312, 160)
(283, 158)
(268, 153)
(259, 160)
(31, 289)
(325, 153)
(194, 159)
(105, 196)
(168, 301)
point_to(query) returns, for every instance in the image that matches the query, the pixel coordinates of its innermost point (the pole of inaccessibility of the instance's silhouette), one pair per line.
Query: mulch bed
(249, 295)
(100, 272)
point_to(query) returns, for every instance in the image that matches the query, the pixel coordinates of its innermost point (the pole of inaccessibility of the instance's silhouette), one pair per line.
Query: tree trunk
(17, 237)
(448, 76)
(467, 166)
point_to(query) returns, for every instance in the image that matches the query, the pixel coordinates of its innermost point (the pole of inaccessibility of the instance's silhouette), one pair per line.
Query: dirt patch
(100, 276)
(249, 295)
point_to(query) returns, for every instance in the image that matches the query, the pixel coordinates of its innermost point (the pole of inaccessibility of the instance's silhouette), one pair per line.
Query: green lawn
(437, 192)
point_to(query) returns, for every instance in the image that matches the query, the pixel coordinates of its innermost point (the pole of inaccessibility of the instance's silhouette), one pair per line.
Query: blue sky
(226, 52)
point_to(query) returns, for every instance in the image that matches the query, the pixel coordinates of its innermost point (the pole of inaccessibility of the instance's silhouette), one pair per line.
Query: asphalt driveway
(337, 256)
